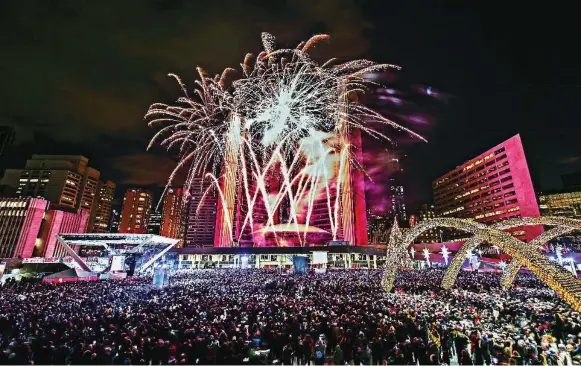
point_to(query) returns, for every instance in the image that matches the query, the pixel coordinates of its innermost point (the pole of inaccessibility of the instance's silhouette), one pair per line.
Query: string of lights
(514, 266)
(567, 286)
(456, 264)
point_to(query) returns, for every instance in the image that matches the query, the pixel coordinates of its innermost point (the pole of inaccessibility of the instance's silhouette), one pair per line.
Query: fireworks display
(281, 115)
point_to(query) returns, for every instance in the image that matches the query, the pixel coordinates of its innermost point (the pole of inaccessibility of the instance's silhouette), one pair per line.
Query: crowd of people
(235, 316)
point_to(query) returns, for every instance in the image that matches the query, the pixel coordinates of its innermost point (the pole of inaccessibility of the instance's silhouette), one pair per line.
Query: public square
(340, 317)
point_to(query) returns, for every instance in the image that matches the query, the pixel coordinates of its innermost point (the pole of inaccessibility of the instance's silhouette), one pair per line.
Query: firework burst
(283, 113)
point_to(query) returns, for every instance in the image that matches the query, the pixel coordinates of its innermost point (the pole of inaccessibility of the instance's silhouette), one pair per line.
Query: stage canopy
(149, 245)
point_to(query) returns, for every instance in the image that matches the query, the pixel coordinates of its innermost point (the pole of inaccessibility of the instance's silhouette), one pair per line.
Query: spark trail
(282, 113)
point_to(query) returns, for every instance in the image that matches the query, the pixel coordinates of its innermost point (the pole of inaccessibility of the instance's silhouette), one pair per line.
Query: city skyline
(488, 91)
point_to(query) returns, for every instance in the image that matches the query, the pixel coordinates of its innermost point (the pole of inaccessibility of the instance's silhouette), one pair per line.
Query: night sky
(78, 75)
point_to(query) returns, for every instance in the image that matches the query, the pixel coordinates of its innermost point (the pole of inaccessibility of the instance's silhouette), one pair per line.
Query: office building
(28, 227)
(494, 186)
(200, 215)
(173, 211)
(135, 211)
(396, 200)
(20, 222)
(427, 213)
(65, 180)
(101, 214)
(378, 228)
(563, 203)
(154, 224)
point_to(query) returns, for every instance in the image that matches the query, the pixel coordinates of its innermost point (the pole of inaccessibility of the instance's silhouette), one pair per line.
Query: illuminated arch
(511, 270)
(397, 257)
(457, 261)
(557, 278)
(456, 264)
(562, 226)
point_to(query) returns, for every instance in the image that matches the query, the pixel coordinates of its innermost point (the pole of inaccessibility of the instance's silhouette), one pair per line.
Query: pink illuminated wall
(30, 227)
(359, 203)
(494, 186)
(61, 222)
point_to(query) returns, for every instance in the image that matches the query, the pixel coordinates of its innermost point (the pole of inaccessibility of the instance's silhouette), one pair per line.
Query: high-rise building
(154, 224)
(173, 212)
(20, 222)
(65, 180)
(29, 226)
(563, 203)
(135, 211)
(427, 213)
(200, 215)
(378, 228)
(491, 187)
(101, 214)
(396, 201)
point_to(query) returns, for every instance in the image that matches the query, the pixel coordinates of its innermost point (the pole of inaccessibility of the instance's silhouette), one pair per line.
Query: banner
(319, 257)
(118, 263)
(300, 264)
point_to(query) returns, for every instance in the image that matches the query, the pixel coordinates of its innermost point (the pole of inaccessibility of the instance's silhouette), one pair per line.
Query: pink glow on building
(491, 187)
(61, 222)
(30, 228)
(20, 222)
(359, 203)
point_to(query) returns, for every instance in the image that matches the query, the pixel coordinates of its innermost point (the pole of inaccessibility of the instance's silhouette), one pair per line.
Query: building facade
(427, 213)
(491, 187)
(173, 212)
(135, 211)
(564, 204)
(200, 215)
(28, 227)
(65, 180)
(101, 214)
(20, 223)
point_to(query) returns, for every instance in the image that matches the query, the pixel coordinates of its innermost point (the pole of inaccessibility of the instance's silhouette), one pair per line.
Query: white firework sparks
(278, 115)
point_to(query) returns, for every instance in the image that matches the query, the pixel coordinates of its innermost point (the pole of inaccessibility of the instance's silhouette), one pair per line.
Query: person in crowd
(249, 316)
